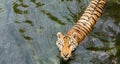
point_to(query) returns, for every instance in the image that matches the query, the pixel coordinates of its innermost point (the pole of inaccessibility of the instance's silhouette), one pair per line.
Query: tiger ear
(59, 34)
(74, 34)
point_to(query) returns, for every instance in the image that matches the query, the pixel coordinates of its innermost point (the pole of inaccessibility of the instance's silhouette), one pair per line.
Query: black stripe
(95, 9)
(80, 28)
(87, 20)
(100, 8)
(92, 6)
(94, 3)
(99, 11)
(86, 16)
(83, 27)
(102, 3)
(97, 3)
(94, 19)
(86, 23)
(83, 19)
(96, 14)
(89, 10)
(78, 32)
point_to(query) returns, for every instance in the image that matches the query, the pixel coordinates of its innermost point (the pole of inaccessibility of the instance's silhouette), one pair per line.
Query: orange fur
(68, 42)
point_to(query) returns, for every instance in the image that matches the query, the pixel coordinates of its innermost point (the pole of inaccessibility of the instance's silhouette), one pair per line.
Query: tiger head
(66, 45)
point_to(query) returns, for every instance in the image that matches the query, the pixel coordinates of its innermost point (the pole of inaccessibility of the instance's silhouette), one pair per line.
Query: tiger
(68, 42)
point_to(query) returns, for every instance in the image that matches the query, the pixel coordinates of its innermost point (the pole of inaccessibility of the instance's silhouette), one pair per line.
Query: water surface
(28, 32)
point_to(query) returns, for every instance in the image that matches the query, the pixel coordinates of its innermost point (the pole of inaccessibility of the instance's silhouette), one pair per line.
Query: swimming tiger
(68, 42)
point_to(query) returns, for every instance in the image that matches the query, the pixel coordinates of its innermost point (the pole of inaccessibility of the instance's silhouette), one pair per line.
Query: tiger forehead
(66, 38)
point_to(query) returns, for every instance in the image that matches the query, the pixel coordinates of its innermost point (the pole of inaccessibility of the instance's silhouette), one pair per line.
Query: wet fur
(68, 42)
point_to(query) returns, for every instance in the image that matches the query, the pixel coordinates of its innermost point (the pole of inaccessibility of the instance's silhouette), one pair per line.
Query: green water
(28, 32)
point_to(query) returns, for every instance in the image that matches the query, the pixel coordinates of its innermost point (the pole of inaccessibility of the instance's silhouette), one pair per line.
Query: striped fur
(68, 42)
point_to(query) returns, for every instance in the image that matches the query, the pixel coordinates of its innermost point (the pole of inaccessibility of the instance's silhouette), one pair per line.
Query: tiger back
(68, 42)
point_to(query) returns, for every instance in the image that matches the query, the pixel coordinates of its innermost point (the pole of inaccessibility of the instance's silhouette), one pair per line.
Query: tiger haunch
(68, 42)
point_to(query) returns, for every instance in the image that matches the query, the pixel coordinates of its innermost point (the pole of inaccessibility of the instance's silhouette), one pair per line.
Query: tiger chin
(66, 45)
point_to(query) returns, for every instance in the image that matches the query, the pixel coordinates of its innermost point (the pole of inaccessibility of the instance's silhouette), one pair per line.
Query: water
(28, 32)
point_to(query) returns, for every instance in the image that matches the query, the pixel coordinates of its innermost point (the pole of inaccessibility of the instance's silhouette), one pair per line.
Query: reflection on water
(20, 8)
(28, 32)
(29, 22)
(53, 18)
(37, 3)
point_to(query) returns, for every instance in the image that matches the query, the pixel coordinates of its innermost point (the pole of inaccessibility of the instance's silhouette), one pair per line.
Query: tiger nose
(65, 54)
